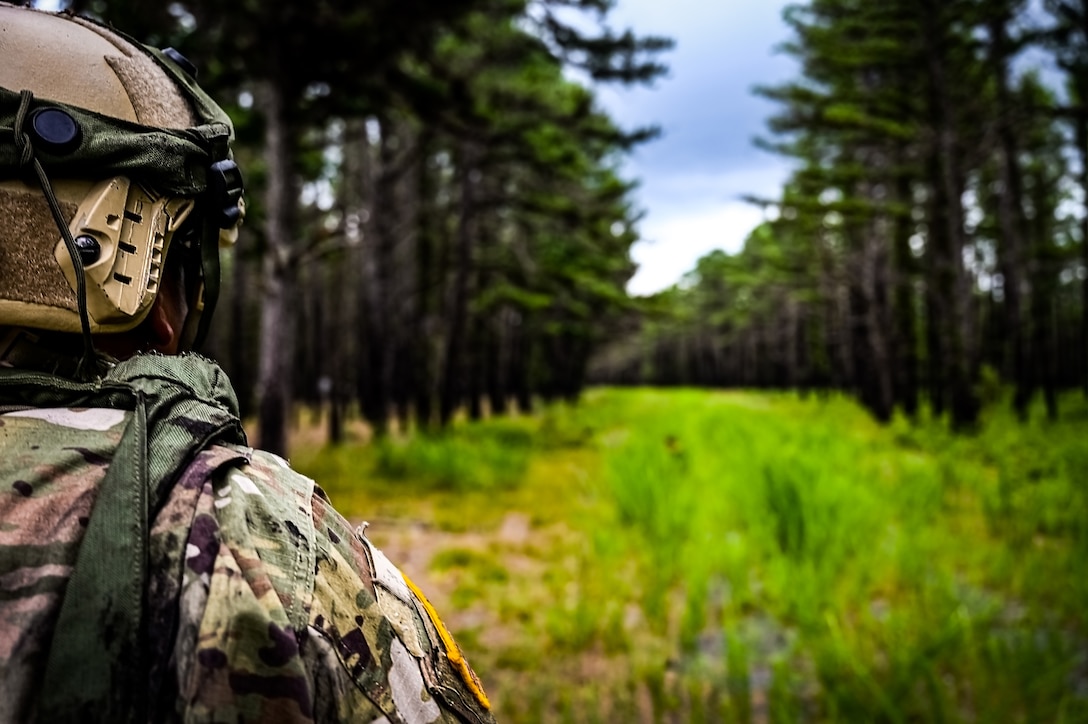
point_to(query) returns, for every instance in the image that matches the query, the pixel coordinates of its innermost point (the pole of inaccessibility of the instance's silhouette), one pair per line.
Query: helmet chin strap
(194, 321)
(209, 295)
(90, 363)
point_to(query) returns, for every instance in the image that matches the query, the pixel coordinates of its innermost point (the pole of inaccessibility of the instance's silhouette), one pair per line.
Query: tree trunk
(835, 372)
(520, 360)
(1044, 333)
(497, 358)
(1078, 81)
(905, 350)
(333, 341)
(453, 378)
(241, 336)
(947, 234)
(274, 375)
(424, 323)
(378, 244)
(880, 321)
(1082, 146)
(474, 365)
(1010, 218)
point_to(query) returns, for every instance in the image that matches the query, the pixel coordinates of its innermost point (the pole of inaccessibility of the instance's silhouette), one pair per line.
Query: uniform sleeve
(286, 614)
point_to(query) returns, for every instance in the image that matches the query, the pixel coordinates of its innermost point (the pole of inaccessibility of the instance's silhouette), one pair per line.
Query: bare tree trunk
(333, 343)
(947, 234)
(792, 332)
(905, 352)
(339, 338)
(424, 325)
(880, 323)
(309, 348)
(1082, 145)
(474, 367)
(378, 243)
(498, 361)
(241, 333)
(835, 373)
(843, 358)
(453, 387)
(1045, 344)
(520, 365)
(402, 280)
(870, 325)
(1010, 218)
(274, 374)
(1078, 80)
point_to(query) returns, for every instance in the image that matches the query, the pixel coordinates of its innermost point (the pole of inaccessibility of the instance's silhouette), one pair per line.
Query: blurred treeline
(932, 242)
(435, 218)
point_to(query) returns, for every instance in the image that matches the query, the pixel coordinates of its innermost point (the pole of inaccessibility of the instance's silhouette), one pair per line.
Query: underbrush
(860, 573)
(472, 457)
(756, 557)
(466, 458)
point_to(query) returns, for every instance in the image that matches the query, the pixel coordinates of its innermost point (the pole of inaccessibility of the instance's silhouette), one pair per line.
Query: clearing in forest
(688, 555)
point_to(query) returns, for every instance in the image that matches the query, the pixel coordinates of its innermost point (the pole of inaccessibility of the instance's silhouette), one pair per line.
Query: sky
(692, 177)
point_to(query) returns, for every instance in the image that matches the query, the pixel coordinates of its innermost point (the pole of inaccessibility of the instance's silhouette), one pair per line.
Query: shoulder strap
(179, 405)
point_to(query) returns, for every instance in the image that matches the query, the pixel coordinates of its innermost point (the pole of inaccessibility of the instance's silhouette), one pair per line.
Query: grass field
(688, 555)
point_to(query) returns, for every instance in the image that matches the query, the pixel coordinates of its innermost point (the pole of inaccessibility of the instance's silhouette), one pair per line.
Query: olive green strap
(96, 642)
(169, 160)
(209, 264)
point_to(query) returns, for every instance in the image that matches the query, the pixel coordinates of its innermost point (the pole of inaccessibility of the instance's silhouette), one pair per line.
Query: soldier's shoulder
(403, 633)
(387, 637)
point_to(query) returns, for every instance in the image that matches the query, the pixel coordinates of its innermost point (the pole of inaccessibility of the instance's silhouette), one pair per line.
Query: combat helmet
(111, 158)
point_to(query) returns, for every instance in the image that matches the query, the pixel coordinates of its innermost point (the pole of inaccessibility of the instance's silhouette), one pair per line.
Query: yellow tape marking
(453, 651)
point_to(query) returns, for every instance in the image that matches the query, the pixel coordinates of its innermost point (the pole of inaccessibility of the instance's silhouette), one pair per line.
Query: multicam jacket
(256, 599)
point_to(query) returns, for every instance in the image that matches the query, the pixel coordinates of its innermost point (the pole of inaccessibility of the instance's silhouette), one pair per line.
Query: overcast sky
(692, 177)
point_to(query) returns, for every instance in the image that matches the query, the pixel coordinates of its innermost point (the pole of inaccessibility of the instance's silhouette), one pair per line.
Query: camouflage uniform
(261, 602)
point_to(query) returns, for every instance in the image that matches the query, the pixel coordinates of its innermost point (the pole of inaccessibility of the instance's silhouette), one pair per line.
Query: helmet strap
(210, 279)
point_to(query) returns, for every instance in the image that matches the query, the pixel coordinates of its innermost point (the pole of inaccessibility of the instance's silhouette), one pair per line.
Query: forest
(438, 220)
(930, 246)
(435, 217)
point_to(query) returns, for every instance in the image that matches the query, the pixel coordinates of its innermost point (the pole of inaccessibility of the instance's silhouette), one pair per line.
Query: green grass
(478, 458)
(755, 557)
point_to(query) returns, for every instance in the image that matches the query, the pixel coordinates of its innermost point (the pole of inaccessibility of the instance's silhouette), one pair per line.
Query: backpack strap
(179, 405)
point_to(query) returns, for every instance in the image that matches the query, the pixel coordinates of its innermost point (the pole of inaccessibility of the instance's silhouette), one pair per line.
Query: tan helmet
(134, 155)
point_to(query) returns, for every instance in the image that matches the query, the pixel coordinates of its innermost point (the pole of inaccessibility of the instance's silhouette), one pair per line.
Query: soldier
(153, 567)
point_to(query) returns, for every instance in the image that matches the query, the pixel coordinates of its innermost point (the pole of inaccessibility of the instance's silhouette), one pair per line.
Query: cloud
(695, 213)
(677, 189)
(676, 241)
(692, 178)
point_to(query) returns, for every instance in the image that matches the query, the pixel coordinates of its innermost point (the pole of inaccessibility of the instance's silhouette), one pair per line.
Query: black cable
(88, 364)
